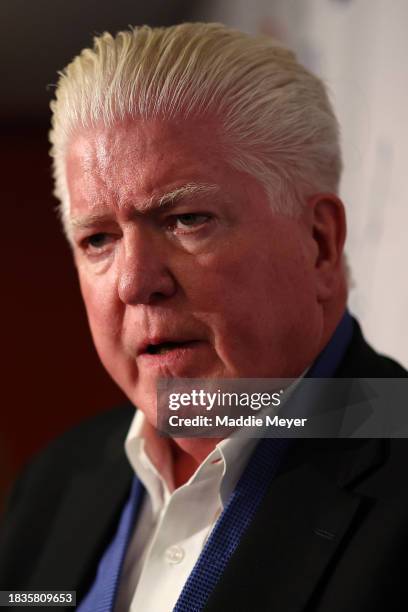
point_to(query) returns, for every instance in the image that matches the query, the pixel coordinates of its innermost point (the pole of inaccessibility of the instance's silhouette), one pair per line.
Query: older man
(198, 170)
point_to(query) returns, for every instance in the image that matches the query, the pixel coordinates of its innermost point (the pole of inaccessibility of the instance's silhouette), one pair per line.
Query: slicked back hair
(274, 118)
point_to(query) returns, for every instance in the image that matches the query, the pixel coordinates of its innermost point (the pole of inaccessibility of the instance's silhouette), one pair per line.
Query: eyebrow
(158, 201)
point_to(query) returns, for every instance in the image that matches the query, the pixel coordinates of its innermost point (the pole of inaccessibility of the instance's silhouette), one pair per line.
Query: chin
(146, 402)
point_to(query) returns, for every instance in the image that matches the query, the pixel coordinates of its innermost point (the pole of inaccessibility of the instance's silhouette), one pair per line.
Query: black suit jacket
(331, 534)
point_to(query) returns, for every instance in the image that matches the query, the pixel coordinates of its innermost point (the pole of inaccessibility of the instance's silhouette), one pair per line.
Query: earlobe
(329, 234)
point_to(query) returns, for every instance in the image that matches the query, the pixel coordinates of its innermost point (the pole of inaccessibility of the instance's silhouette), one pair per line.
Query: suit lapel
(91, 508)
(299, 528)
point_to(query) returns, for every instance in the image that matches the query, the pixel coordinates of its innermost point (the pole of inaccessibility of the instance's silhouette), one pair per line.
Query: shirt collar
(150, 457)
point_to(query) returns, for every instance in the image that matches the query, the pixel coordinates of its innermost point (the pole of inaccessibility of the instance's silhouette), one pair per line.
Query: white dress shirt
(173, 524)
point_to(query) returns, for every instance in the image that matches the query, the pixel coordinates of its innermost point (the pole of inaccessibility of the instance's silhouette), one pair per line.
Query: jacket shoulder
(42, 487)
(81, 447)
(362, 361)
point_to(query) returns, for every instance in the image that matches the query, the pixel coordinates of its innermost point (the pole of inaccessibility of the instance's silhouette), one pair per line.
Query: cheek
(227, 295)
(258, 299)
(103, 312)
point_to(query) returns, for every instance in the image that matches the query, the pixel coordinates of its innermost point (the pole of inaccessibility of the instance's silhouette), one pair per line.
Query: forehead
(133, 161)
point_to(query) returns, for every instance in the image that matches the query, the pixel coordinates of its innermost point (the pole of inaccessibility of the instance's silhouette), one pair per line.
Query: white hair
(275, 119)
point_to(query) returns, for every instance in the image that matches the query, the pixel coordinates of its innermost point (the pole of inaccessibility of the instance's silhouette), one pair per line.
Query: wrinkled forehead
(133, 161)
(143, 139)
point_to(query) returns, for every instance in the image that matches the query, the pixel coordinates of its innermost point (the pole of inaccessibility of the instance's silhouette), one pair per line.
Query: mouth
(163, 348)
(172, 357)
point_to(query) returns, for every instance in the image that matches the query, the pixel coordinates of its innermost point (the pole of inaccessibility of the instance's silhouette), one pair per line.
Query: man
(198, 170)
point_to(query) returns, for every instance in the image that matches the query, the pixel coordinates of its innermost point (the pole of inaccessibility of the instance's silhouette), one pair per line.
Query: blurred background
(51, 375)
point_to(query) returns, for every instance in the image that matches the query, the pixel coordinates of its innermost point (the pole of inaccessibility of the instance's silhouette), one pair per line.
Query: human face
(207, 282)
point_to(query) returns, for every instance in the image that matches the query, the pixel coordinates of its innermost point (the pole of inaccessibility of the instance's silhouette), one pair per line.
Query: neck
(187, 455)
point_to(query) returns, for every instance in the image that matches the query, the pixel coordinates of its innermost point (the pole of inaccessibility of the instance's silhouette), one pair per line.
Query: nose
(143, 275)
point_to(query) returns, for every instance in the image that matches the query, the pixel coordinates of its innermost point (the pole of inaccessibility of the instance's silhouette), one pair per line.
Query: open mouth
(165, 347)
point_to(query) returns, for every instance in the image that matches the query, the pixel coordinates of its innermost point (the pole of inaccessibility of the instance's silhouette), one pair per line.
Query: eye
(97, 241)
(97, 244)
(188, 221)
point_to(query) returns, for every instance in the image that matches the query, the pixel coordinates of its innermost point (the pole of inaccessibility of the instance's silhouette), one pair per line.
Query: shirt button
(174, 554)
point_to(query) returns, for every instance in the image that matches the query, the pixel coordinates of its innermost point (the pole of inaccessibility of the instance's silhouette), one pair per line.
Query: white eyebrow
(179, 193)
(167, 199)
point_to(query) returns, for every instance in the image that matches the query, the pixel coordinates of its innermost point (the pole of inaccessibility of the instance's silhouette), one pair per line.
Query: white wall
(360, 49)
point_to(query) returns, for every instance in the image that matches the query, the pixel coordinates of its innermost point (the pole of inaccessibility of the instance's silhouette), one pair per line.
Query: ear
(328, 219)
